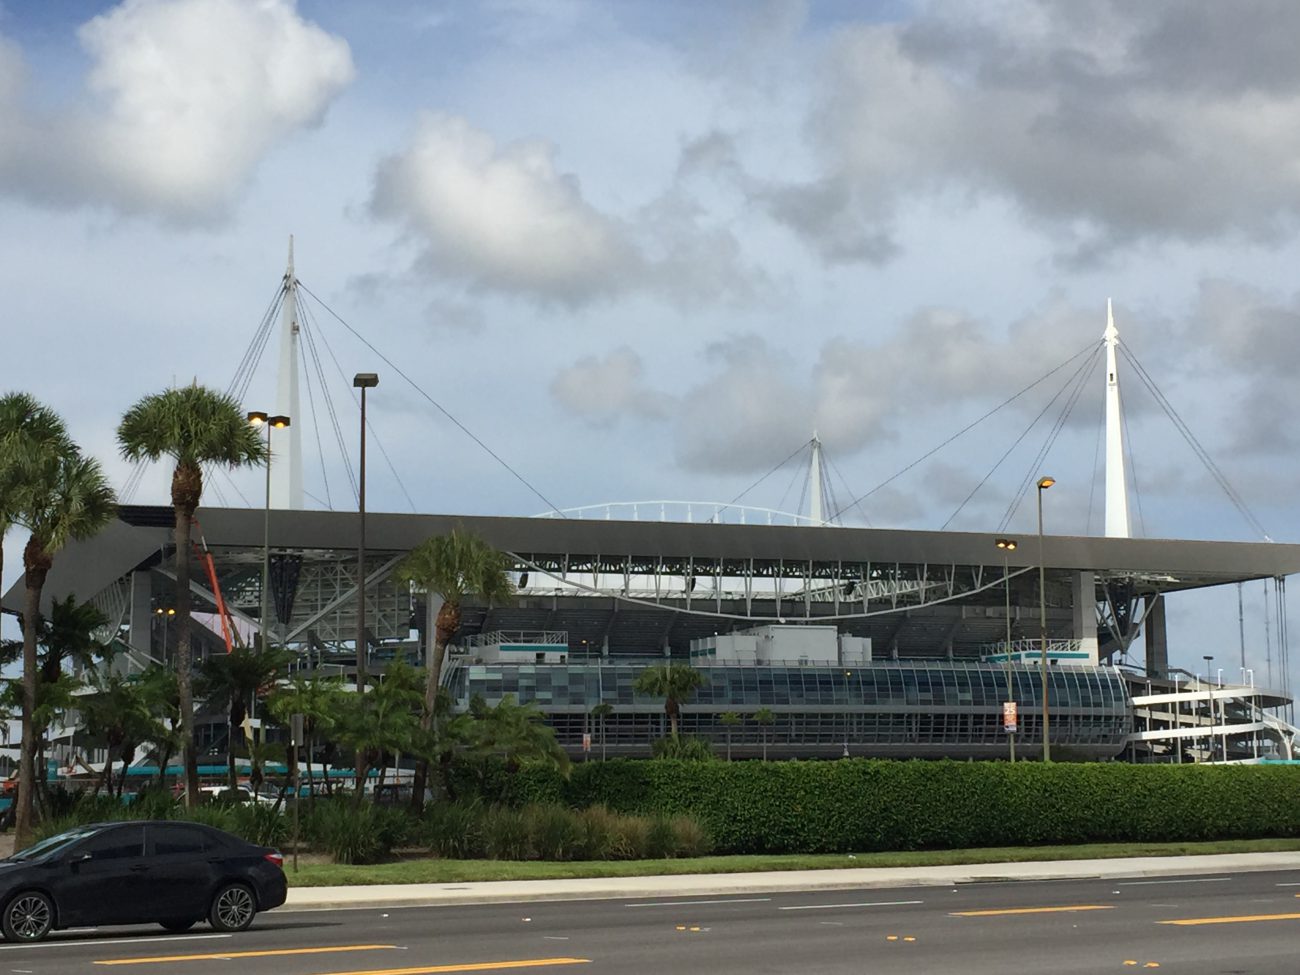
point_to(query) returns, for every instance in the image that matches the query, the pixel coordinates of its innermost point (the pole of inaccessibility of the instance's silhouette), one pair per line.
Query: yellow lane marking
(1191, 921)
(162, 959)
(479, 966)
(1035, 910)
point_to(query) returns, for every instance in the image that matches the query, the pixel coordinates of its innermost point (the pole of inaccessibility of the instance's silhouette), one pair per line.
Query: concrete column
(1157, 641)
(1084, 597)
(140, 622)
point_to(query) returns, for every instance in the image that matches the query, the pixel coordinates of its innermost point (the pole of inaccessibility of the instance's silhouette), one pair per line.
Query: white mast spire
(1116, 483)
(815, 506)
(286, 467)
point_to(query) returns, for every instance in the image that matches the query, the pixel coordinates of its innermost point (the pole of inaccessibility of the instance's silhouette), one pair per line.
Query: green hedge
(861, 805)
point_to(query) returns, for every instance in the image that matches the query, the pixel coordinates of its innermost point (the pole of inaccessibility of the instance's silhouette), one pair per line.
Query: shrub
(453, 830)
(598, 828)
(505, 834)
(690, 839)
(683, 749)
(861, 804)
(357, 835)
(263, 825)
(554, 830)
(660, 840)
(631, 838)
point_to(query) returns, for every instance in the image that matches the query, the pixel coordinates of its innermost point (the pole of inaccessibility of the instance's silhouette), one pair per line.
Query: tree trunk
(670, 706)
(187, 486)
(36, 563)
(311, 788)
(445, 625)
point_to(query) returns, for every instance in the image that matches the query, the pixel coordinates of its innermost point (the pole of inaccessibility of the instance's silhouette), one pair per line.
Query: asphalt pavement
(1186, 919)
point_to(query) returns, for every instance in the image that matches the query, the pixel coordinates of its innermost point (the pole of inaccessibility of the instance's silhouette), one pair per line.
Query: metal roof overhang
(1163, 565)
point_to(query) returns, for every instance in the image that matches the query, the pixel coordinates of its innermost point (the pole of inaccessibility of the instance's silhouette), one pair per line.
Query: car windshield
(53, 843)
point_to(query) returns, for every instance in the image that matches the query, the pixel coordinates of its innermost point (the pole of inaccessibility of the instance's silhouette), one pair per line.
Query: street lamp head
(1007, 544)
(1045, 482)
(365, 380)
(278, 422)
(257, 418)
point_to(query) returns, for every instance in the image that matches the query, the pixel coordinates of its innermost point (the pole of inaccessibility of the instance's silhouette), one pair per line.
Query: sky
(644, 249)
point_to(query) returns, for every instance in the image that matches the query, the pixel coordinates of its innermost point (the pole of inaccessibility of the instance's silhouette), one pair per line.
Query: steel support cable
(844, 481)
(379, 443)
(256, 347)
(331, 410)
(966, 429)
(1073, 379)
(798, 450)
(1096, 463)
(794, 479)
(1131, 456)
(315, 427)
(435, 404)
(309, 331)
(1202, 454)
(1079, 380)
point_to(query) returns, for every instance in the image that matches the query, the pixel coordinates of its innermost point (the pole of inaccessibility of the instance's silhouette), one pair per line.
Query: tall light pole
(847, 711)
(259, 419)
(1043, 484)
(1209, 702)
(362, 381)
(1008, 545)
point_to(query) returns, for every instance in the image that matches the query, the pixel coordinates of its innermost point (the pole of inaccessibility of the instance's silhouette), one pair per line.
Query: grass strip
(429, 870)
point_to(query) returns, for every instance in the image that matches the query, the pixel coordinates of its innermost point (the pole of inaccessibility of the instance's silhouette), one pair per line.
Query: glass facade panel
(891, 707)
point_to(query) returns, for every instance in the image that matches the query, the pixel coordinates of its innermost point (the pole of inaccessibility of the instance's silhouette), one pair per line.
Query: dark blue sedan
(169, 873)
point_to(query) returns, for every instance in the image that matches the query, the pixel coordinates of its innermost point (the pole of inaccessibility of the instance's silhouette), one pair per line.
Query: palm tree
(317, 700)
(764, 717)
(453, 567)
(70, 499)
(27, 430)
(601, 712)
(675, 683)
(194, 426)
(231, 680)
(729, 720)
(380, 721)
(118, 715)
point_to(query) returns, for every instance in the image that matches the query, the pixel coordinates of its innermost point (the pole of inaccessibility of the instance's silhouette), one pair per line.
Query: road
(1247, 923)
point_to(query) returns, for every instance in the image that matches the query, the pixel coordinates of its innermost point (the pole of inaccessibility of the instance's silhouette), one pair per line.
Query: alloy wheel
(234, 908)
(29, 917)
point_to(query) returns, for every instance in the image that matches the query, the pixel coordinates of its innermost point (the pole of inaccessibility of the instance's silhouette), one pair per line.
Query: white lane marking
(828, 907)
(110, 942)
(736, 900)
(554, 937)
(1193, 880)
(1288, 885)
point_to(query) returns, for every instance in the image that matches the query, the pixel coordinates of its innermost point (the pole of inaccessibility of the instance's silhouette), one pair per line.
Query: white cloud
(600, 390)
(1124, 123)
(503, 218)
(184, 98)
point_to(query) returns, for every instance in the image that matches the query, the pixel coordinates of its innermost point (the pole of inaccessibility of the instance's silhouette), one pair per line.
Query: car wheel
(233, 908)
(29, 916)
(176, 927)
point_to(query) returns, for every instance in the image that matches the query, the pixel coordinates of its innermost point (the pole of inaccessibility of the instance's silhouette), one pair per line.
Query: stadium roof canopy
(141, 533)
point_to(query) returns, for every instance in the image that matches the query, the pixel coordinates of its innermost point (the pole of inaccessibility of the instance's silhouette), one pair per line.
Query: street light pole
(1008, 545)
(259, 419)
(1043, 484)
(362, 381)
(847, 711)
(1209, 703)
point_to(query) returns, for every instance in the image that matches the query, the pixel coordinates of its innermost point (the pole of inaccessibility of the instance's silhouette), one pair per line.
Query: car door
(181, 874)
(103, 879)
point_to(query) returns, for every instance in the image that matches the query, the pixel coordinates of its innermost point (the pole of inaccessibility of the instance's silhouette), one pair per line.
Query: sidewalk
(695, 885)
